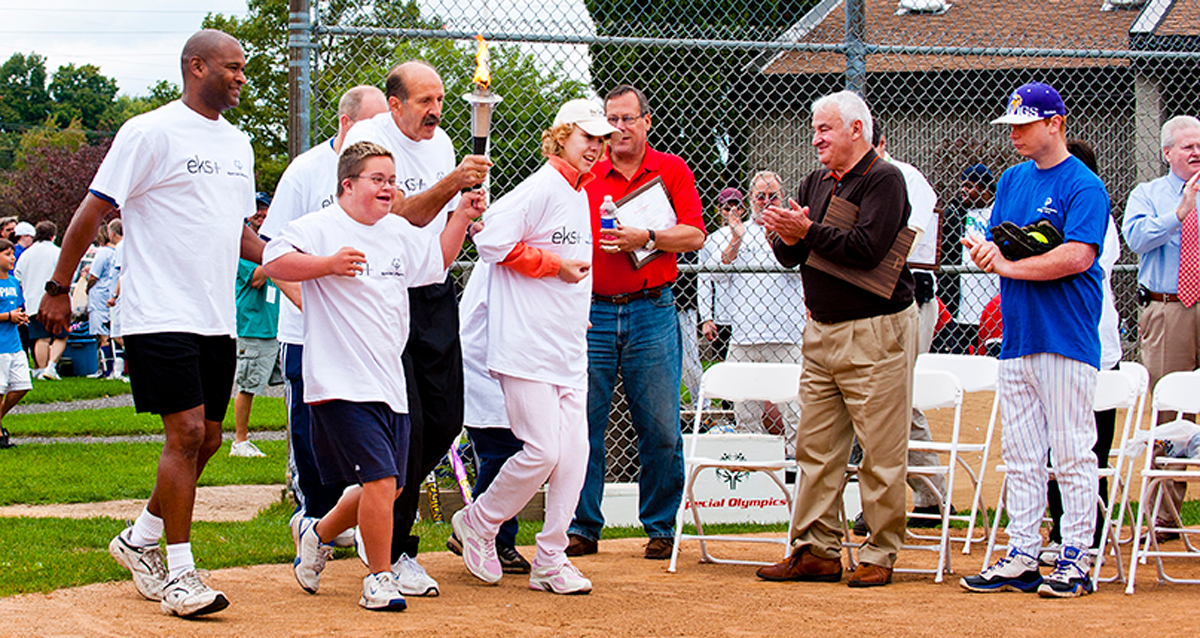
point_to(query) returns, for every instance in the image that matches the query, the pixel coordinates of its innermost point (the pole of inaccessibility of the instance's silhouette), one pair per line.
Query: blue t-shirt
(1060, 316)
(11, 298)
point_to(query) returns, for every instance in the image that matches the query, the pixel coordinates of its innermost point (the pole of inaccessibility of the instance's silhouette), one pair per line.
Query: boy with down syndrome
(356, 263)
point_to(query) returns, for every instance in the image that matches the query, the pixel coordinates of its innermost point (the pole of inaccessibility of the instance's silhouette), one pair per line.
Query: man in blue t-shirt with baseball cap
(1050, 303)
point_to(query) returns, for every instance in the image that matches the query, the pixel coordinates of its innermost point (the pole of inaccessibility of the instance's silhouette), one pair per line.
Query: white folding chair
(932, 389)
(1175, 392)
(1125, 464)
(737, 382)
(1115, 389)
(976, 374)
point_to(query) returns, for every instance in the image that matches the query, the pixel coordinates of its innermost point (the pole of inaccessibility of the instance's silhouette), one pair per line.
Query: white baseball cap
(23, 229)
(585, 114)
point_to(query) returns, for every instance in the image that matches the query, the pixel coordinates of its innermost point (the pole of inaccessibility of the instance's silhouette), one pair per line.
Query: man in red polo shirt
(634, 327)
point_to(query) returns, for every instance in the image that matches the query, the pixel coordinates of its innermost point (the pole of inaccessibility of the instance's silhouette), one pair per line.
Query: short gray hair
(1174, 126)
(850, 106)
(766, 177)
(351, 102)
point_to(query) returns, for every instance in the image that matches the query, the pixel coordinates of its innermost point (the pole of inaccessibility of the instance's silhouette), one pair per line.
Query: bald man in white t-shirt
(183, 178)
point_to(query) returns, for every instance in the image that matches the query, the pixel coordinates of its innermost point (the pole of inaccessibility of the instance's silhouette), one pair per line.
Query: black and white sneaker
(144, 563)
(188, 596)
(1015, 572)
(1071, 576)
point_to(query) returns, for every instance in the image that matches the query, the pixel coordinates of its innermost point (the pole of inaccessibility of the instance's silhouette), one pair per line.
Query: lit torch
(482, 100)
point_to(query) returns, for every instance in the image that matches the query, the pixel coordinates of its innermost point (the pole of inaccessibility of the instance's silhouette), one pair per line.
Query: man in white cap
(1050, 304)
(24, 233)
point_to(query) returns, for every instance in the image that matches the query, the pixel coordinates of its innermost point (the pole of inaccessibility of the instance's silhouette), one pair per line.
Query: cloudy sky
(137, 42)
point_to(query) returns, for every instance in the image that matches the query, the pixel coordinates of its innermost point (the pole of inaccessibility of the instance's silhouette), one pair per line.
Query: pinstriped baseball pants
(1046, 405)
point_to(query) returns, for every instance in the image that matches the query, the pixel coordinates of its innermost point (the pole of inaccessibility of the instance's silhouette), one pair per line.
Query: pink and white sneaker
(479, 553)
(559, 579)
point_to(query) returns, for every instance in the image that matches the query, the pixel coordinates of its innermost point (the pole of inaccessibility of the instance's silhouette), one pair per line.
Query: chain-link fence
(730, 83)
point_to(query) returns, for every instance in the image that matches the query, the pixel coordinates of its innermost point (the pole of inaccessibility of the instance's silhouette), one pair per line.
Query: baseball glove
(1018, 243)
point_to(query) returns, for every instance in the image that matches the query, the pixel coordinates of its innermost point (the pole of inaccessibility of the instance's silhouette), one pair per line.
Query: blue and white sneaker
(1015, 572)
(1071, 576)
(310, 560)
(381, 594)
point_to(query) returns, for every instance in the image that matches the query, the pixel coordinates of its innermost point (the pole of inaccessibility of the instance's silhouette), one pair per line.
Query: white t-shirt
(760, 307)
(33, 270)
(1110, 328)
(537, 328)
(355, 328)
(975, 290)
(419, 163)
(712, 289)
(184, 183)
(309, 184)
(484, 399)
(922, 199)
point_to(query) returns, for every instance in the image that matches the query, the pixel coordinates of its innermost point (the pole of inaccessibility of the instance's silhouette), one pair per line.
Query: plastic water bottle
(608, 216)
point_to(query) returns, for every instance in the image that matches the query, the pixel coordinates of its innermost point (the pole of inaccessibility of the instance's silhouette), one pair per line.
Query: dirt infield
(632, 597)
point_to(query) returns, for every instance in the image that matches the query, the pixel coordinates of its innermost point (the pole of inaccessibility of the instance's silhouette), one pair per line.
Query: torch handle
(479, 145)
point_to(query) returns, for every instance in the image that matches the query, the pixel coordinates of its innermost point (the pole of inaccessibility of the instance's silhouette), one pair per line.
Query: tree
(689, 87)
(24, 100)
(82, 93)
(532, 93)
(54, 170)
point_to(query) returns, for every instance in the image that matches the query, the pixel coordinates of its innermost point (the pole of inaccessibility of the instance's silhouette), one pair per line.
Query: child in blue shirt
(14, 366)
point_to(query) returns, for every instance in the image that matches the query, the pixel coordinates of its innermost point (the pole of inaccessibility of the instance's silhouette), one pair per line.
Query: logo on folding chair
(734, 477)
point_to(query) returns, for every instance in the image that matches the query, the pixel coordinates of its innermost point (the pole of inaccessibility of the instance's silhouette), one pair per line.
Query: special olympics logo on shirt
(1047, 208)
(396, 268)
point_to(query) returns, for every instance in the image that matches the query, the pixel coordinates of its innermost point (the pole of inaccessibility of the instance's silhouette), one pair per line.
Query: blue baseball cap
(1030, 103)
(262, 199)
(977, 173)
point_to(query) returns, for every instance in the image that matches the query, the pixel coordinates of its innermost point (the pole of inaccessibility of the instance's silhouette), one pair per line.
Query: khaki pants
(857, 380)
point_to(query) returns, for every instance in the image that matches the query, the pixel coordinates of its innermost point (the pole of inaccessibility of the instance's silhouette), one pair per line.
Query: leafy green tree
(24, 100)
(53, 170)
(532, 92)
(82, 93)
(689, 87)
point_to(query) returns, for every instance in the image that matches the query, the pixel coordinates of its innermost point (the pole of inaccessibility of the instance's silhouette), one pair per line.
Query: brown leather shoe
(659, 548)
(868, 575)
(803, 565)
(581, 546)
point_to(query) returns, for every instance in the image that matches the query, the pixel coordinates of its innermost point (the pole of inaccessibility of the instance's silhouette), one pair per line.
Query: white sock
(179, 560)
(147, 529)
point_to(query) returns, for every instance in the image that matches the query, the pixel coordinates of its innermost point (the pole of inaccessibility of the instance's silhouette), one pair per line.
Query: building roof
(1077, 25)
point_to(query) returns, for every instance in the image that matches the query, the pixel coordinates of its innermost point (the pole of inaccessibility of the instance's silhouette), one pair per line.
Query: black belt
(629, 297)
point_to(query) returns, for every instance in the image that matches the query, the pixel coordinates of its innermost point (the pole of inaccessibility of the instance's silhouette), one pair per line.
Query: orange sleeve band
(532, 262)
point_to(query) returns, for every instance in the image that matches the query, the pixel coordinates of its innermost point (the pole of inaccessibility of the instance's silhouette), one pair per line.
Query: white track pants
(551, 420)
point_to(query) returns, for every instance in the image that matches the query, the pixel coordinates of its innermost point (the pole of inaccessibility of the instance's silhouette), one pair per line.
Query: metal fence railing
(730, 83)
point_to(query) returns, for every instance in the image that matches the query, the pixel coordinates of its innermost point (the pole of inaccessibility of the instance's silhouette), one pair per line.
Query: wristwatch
(650, 242)
(55, 289)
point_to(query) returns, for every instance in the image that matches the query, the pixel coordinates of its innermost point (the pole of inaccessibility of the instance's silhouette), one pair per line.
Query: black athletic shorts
(176, 371)
(359, 442)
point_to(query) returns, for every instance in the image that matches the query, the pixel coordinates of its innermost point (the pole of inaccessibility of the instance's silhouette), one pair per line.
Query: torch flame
(483, 76)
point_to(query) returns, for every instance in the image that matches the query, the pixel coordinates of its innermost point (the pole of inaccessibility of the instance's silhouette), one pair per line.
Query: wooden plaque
(880, 280)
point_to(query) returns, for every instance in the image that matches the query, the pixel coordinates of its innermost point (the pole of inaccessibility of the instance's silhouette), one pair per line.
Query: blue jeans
(642, 341)
(492, 447)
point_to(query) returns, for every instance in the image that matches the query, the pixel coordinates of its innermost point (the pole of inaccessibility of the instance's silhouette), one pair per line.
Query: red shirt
(613, 273)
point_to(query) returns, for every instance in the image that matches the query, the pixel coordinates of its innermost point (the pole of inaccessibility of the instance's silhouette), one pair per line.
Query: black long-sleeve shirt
(877, 188)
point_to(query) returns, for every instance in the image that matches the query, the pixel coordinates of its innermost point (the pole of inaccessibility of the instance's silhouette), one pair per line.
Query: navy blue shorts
(359, 442)
(172, 372)
(38, 331)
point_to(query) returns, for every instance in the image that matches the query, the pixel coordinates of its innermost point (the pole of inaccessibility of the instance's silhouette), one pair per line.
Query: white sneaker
(1049, 554)
(381, 594)
(479, 553)
(51, 372)
(294, 524)
(411, 578)
(311, 559)
(1071, 576)
(245, 449)
(346, 538)
(1017, 571)
(187, 596)
(145, 563)
(559, 579)
(36, 373)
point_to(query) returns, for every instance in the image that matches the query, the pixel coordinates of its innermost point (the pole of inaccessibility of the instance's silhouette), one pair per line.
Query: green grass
(83, 473)
(74, 389)
(268, 413)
